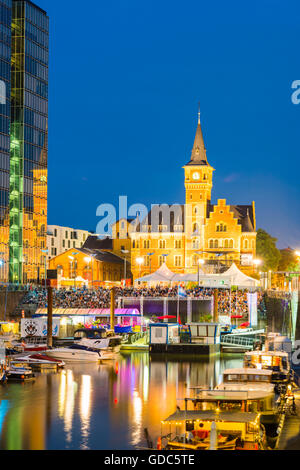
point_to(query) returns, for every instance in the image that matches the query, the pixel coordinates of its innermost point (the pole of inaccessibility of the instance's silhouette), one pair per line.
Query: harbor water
(103, 406)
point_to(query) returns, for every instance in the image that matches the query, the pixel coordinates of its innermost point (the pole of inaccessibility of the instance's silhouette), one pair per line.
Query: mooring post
(112, 309)
(49, 317)
(216, 316)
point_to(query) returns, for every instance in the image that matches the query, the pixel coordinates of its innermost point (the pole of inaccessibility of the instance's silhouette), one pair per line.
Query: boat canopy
(211, 415)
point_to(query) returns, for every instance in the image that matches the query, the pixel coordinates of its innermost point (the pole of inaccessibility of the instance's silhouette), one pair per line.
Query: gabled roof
(103, 256)
(94, 243)
(244, 214)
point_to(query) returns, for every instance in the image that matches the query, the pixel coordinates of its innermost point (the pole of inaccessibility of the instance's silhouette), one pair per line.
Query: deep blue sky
(125, 80)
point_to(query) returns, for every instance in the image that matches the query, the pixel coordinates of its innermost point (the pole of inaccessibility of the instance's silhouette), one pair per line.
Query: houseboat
(212, 429)
(275, 361)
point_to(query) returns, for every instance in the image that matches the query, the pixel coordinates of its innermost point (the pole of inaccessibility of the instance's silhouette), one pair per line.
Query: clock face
(196, 176)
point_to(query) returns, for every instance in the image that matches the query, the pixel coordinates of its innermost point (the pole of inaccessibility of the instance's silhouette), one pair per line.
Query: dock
(291, 427)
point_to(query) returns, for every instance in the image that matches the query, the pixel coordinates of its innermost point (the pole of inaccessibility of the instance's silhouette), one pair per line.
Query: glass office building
(24, 206)
(5, 81)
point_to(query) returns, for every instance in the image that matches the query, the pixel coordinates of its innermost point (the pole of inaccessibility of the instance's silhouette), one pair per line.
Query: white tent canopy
(238, 278)
(163, 274)
(233, 276)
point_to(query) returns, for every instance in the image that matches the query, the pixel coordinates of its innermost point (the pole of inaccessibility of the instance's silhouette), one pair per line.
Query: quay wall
(283, 315)
(13, 300)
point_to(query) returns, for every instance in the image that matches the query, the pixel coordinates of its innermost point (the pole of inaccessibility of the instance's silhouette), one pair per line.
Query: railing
(233, 340)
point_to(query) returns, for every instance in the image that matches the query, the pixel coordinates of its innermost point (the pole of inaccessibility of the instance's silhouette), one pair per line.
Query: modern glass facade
(24, 39)
(5, 80)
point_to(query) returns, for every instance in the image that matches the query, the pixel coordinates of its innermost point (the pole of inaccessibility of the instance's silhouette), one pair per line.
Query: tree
(267, 251)
(288, 261)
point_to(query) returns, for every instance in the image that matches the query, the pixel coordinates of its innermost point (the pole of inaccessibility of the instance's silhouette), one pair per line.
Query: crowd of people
(228, 302)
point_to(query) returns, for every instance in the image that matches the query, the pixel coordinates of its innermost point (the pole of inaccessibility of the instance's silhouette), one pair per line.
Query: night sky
(125, 81)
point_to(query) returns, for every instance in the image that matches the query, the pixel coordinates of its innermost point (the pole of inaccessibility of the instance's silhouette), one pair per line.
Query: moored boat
(212, 430)
(275, 361)
(19, 374)
(75, 353)
(39, 360)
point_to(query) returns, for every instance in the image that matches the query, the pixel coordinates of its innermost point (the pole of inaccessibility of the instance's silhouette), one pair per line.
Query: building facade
(61, 239)
(215, 235)
(23, 158)
(98, 268)
(5, 78)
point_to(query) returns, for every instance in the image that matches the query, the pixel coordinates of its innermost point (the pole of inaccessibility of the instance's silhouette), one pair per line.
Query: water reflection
(106, 406)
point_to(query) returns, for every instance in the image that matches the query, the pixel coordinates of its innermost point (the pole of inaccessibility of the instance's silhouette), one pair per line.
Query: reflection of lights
(85, 396)
(61, 394)
(85, 405)
(137, 417)
(146, 383)
(69, 404)
(4, 407)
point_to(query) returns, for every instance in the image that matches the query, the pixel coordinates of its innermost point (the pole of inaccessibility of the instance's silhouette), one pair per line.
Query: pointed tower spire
(199, 151)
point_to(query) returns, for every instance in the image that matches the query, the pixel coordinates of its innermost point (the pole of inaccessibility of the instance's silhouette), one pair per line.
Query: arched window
(226, 243)
(195, 228)
(246, 244)
(211, 243)
(133, 244)
(230, 243)
(216, 244)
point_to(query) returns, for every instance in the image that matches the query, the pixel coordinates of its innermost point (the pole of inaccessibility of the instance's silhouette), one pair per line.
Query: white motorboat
(75, 353)
(19, 374)
(98, 339)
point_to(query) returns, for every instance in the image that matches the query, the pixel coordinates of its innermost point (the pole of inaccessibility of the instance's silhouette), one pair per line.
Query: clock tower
(198, 185)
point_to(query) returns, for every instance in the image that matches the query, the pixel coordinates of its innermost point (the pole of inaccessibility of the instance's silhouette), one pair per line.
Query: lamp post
(140, 261)
(125, 271)
(73, 267)
(88, 259)
(46, 252)
(150, 254)
(256, 263)
(199, 261)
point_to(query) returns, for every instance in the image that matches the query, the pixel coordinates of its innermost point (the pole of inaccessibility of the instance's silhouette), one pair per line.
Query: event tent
(163, 274)
(238, 278)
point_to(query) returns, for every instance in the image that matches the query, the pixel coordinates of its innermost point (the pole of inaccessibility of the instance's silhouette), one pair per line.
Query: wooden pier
(291, 427)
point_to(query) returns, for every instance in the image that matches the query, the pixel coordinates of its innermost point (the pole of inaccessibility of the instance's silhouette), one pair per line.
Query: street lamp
(88, 259)
(45, 251)
(125, 271)
(140, 261)
(256, 263)
(73, 262)
(150, 254)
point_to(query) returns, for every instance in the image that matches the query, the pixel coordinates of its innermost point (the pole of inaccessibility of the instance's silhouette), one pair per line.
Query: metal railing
(233, 340)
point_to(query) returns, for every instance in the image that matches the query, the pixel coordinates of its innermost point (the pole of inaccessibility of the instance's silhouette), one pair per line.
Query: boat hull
(72, 355)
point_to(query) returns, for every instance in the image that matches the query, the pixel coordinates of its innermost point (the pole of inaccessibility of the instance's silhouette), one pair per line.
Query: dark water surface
(105, 406)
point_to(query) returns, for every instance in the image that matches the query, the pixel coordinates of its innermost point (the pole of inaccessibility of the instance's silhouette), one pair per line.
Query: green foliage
(288, 261)
(205, 318)
(267, 251)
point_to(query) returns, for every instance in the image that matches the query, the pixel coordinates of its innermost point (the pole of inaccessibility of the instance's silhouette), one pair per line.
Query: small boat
(39, 359)
(98, 339)
(19, 374)
(3, 377)
(275, 361)
(75, 353)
